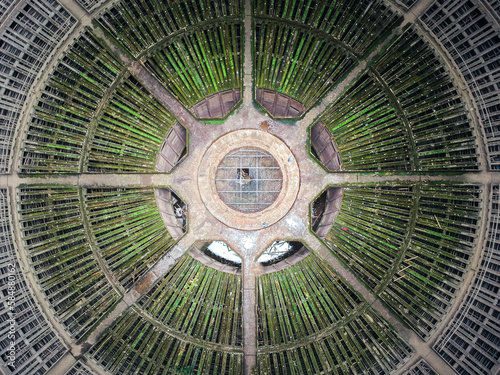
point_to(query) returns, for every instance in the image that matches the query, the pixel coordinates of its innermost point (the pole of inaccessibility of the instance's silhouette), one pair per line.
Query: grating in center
(248, 180)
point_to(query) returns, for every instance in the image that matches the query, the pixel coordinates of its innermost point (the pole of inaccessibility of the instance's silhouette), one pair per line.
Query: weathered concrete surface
(63, 364)
(254, 139)
(202, 226)
(249, 320)
(248, 61)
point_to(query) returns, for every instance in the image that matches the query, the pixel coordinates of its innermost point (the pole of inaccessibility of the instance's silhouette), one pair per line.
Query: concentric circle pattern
(248, 188)
(146, 139)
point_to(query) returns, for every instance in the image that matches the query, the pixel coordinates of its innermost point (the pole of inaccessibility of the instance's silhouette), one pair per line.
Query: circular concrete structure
(248, 179)
(259, 142)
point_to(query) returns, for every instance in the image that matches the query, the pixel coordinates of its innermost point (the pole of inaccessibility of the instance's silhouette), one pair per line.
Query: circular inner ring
(248, 179)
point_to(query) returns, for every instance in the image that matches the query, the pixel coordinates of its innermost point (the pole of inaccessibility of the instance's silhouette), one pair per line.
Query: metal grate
(248, 180)
(278, 251)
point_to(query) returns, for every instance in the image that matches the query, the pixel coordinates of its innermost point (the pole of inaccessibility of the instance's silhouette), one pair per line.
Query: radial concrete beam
(202, 226)
(29, 276)
(249, 320)
(161, 93)
(156, 179)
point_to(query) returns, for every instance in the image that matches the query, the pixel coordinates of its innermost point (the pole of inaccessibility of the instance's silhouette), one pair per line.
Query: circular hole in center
(248, 179)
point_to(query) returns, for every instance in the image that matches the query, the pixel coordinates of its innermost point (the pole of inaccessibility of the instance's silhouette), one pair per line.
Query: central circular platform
(248, 179)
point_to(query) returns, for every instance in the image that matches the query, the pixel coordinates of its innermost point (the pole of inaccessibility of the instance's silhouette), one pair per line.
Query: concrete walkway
(204, 227)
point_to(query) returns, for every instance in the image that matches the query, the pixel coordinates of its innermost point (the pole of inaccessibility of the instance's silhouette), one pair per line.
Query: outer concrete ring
(266, 142)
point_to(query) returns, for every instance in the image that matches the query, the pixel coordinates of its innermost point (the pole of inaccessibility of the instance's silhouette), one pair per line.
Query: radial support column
(89, 179)
(422, 348)
(417, 10)
(248, 60)
(63, 365)
(249, 320)
(161, 93)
